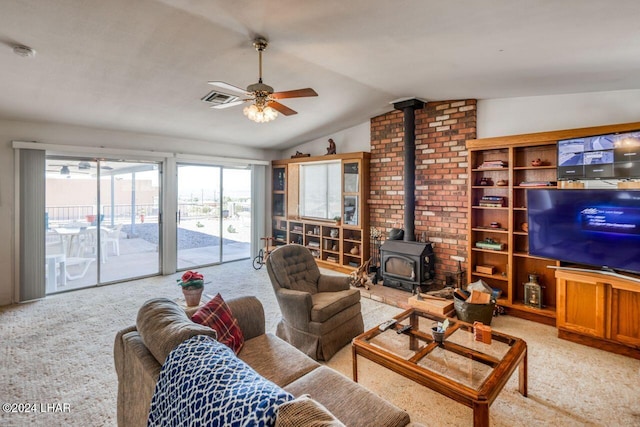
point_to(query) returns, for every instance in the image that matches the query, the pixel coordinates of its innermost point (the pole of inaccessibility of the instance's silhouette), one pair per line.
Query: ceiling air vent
(218, 98)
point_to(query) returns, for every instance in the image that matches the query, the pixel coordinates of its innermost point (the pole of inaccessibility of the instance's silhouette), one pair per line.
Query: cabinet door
(581, 306)
(351, 192)
(279, 191)
(625, 315)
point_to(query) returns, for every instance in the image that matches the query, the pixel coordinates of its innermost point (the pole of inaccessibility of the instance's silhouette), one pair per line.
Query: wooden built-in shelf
(517, 152)
(353, 230)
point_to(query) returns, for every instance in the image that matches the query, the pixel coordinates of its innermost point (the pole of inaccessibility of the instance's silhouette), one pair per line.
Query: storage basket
(470, 313)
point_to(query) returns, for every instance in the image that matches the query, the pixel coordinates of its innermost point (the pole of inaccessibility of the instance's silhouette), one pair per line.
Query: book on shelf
(537, 183)
(493, 164)
(486, 244)
(313, 244)
(492, 201)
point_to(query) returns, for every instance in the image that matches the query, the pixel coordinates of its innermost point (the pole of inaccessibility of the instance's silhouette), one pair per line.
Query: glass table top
(460, 358)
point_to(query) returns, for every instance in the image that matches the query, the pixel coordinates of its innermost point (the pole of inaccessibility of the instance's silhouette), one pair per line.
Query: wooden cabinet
(501, 172)
(599, 310)
(625, 316)
(581, 304)
(342, 245)
(279, 224)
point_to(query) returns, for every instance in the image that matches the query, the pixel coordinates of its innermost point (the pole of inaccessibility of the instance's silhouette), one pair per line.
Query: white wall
(85, 137)
(512, 116)
(353, 139)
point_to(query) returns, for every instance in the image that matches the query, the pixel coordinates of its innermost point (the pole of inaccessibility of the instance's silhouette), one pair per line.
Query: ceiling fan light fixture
(260, 114)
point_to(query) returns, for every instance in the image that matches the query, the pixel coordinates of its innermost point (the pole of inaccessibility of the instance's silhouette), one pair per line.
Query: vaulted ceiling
(143, 65)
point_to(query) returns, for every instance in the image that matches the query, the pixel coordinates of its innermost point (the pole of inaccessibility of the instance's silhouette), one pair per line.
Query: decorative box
(485, 269)
(482, 332)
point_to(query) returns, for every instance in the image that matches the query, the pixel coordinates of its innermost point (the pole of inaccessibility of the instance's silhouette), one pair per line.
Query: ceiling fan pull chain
(260, 65)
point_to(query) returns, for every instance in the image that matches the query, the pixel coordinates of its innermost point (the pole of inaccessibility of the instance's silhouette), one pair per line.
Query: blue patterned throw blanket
(203, 383)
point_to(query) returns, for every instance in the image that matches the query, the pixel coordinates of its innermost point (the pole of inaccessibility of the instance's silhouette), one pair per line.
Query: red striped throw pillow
(217, 315)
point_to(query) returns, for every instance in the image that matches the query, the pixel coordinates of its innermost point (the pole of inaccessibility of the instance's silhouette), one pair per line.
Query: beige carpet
(59, 351)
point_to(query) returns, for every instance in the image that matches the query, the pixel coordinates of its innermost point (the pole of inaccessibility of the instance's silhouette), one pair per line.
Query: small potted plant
(438, 331)
(192, 284)
(337, 219)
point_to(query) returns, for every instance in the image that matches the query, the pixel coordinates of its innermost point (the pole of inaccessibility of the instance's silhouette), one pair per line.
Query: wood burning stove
(407, 265)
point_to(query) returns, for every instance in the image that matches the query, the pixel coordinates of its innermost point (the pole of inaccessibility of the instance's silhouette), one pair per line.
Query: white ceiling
(143, 65)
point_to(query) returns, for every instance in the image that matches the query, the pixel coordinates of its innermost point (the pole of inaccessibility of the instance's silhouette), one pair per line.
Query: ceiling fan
(265, 106)
(67, 168)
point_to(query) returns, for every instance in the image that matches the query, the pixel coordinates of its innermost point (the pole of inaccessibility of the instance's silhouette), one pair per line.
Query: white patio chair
(111, 237)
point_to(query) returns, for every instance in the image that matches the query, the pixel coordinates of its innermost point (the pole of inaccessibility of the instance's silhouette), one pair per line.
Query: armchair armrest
(296, 307)
(331, 283)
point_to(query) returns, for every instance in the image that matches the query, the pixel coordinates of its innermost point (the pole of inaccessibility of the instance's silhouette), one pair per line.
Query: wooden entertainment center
(342, 246)
(590, 308)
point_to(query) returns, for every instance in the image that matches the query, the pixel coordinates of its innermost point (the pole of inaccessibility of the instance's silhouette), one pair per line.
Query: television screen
(593, 227)
(600, 157)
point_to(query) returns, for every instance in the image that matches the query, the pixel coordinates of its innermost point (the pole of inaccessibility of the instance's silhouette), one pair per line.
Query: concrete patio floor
(140, 258)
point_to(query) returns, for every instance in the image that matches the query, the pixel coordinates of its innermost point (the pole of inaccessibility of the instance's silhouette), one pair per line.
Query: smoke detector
(24, 51)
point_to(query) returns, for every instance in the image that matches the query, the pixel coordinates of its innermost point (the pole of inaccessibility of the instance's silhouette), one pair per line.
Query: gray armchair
(320, 313)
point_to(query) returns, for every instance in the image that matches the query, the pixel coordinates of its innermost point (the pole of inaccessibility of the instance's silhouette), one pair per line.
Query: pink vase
(192, 296)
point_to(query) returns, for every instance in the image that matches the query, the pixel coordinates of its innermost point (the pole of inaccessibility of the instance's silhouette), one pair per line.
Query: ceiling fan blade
(228, 104)
(282, 108)
(298, 93)
(229, 88)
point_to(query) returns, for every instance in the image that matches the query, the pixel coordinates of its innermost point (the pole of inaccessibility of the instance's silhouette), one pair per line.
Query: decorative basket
(470, 313)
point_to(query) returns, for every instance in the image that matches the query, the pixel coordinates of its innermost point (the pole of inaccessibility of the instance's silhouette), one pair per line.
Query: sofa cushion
(217, 315)
(204, 383)
(328, 304)
(276, 360)
(351, 403)
(304, 411)
(163, 325)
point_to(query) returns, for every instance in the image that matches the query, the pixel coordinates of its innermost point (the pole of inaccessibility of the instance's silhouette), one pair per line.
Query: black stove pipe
(408, 108)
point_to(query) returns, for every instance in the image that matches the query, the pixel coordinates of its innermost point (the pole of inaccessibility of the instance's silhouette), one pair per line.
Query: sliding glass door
(236, 214)
(101, 221)
(198, 216)
(214, 215)
(129, 236)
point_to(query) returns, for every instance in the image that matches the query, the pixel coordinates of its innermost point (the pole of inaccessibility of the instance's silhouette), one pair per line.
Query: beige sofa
(162, 325)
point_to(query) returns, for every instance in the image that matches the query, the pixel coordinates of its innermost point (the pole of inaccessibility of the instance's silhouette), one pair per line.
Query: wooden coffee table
(468, 371)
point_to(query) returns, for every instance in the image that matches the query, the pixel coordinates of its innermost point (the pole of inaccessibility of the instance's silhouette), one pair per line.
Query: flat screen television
(608, 156)
(592, 227)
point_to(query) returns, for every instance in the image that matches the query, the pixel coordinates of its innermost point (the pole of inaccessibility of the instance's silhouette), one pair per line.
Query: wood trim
(602, 344)
(326, 158)
(547, 137)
